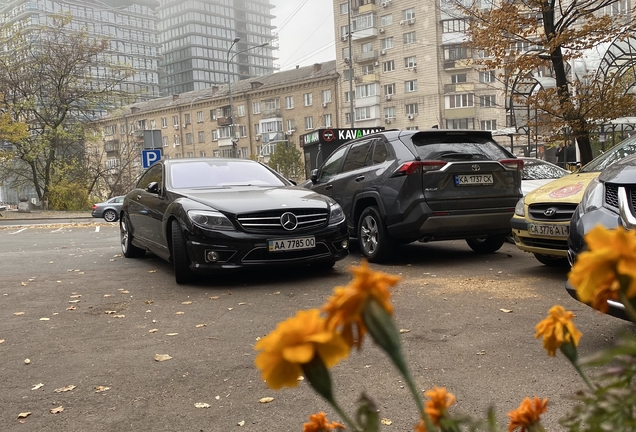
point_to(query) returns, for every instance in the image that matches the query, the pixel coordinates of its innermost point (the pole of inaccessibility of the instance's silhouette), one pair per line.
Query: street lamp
(229, 88)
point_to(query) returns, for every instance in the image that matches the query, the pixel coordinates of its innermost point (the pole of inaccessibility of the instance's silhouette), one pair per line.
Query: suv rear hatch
(466, 170)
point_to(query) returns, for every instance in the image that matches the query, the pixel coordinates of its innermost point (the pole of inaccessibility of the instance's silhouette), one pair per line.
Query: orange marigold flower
(440, 400)
(557, 329)
(527, 414)
(318, 423)
(420, 427)
(295, 342)
(595, 275)
(344, 307)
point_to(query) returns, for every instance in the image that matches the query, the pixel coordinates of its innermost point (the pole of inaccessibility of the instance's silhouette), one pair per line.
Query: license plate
(550, 230)
(291, 244)
(473, 179)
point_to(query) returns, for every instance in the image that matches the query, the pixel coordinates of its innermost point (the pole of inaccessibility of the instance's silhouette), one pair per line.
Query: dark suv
(397, 187)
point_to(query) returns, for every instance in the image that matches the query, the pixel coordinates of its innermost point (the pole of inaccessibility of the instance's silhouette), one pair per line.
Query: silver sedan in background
(109, 209)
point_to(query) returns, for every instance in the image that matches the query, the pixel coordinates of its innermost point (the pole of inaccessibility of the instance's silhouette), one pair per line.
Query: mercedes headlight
(593, 196)
(520, 208)
(210, 220)
(336, 215)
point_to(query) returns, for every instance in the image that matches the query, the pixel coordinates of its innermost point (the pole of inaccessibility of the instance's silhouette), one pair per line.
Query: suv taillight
(94, 206)
(409, 168)
(512, 163)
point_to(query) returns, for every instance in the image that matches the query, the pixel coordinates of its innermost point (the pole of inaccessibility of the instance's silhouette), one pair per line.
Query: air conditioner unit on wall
(401, 22)
(376, 64)
(384, 4)
(257, 138)
(410, 116)
(176, 126)
(383, 52)
(387, 120)
(411, 21)
(381, 30)
(324, 104)
(344, 38)
(387, 97)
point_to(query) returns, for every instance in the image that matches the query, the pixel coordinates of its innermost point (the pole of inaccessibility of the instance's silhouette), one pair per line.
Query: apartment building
(268, 111)
(198, 42)
(131, 28)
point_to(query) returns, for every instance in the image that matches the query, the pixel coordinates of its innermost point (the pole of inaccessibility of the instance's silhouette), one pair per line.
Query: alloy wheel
(369, 238)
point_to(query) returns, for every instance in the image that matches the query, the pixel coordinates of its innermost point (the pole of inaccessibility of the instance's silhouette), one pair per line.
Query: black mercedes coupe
(207, 215)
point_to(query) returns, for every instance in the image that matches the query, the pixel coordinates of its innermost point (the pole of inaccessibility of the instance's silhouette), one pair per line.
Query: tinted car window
(357, 156)
(539, 170)
(379, 153)
(221, 173)
(618, 152)
(154, 174)
(457, 147)
(332, 165)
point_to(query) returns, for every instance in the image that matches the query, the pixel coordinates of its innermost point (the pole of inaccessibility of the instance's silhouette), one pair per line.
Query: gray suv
(397, 187)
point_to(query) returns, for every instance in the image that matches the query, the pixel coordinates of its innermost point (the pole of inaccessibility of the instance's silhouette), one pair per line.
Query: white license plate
(473, 179)
(291, 244)
(550, 230)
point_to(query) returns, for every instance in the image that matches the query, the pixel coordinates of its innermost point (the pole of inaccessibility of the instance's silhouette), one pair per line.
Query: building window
(289, 102)
(309, 123)
(308, 99)
(365, 90)
(387, 43)
(347, 118)
(408, 14)
(464, 123)
(388, 66)
(366, 47)
(344, 8)
(363, 113)
(240, 110)
(215, 135)
(409, 38)
(410, 62)
(410, 109)
(190, 154)
(617, 8)
(410, 86)
(326, 120)
(177, 140)
(256, 108)
(455, 52)
(186, 119)
(175, 121)
(188, 138)
(257, 129)
(487, 101)
(212, 114)
(199, 116)
(454, 25)
(165, 141)
(389, 89)
(291, 125)
(367, 69)
(202, 153)
(488, 124)
(460, 101)
(326, 96)
(458, 78)
(243, 152)
(177, 155)
(164, 122)
(243, 131)
(389, 113)
(122, 129)
(386, 20)
(487, 77)
(412, 128)
(201, 137)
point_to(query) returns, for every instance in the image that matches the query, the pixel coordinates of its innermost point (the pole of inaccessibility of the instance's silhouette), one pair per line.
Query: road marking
(19, 231)
(96, 229)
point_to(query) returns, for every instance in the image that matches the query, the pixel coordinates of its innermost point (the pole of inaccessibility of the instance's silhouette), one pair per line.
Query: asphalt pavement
(45, 217)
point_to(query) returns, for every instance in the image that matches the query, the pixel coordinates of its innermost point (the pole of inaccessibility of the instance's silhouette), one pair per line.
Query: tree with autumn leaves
(56, 80)
(519, 38)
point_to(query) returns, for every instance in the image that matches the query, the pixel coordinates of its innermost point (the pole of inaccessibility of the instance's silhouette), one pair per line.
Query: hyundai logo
(289, 221)
(475, 167)
(550, 212)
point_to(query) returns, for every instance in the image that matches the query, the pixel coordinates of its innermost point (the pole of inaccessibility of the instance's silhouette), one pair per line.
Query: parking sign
(148, 157)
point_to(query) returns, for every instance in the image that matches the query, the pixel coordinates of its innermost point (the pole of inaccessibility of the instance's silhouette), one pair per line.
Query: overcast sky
(305, 32)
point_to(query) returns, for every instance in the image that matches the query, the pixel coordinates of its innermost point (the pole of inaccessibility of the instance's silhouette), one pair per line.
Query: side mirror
(314, 176)
(153, 187)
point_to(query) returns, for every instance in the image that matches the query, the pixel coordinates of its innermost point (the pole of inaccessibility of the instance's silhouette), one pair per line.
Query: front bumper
(238, 250)
(616, 309)
(543, 245)
(582, 223)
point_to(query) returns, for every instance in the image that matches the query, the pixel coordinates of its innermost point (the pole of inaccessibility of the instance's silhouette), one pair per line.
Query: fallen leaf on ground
(162, 357)
(45, 319)
(197, 326)
(100, 389)
(152, 331)
(179, 313)
(107, 295)
(2, 340)
(214, 297)
(73, 301)
(111, 260)
(57, 410)
(482, 352)
(119, 316)
(241, 423)
(124, 292)
(171, 334)
(404, 330)
(266, 399)
(277, 292)
(18, 313)
(242, 303)
(24, 414)
(152, 271)
(110, 312)
(217, 397)
(71, 308)
(27, 361)
(76, 296)
(186, 302)
(149, 301)
(230, 308)
(506, 310)
(201, 405)
(65, 389)
(24, 284)
(386, 422)
(117, 256)
(58, 281)
(37, 386)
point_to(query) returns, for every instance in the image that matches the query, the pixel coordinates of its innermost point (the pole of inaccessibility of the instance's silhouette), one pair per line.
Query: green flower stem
(584, 376)
(319, 378)
(629, 307)
(569, 351)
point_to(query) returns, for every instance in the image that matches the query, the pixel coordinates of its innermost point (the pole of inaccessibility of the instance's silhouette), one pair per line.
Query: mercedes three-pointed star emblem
(289, 221)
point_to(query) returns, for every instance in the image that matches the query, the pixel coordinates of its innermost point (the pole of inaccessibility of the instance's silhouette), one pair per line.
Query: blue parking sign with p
(148, 157)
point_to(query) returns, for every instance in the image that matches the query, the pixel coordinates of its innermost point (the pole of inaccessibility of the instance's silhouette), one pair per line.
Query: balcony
(459, 88)
(366, 56)
(224, 121)
(111, 146)
(364, 33)
(371, 77)
(270, 113)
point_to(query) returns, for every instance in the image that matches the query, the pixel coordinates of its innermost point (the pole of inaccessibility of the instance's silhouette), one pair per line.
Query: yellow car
(541, 222)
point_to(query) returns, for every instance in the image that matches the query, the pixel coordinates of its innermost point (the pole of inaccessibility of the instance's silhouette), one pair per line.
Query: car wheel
(180, 259)
(110, 216)
(374, 241)
(488, 244)
(127, 248)
(552, 261)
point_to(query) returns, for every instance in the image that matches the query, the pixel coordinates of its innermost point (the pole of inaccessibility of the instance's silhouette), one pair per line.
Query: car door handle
(359, 178)
(329, 186)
